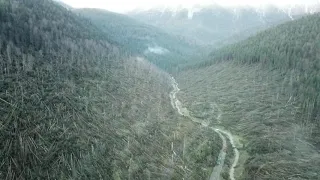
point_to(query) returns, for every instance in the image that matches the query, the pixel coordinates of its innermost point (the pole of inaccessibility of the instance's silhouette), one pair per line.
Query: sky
(122, 6)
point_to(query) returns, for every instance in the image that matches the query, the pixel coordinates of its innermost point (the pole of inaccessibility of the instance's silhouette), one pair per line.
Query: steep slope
(47, 57)
(161, 48)
(291, 48)
(266, 88)
(215, 24)
(73, 106)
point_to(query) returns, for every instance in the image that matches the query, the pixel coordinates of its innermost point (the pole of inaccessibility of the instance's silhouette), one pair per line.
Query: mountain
(215, 24)
(79, 99)
(75, 104)
(161, 48)
(265, 89)
(61, 3)
(302, 9)
(48, 58)
(290, 48)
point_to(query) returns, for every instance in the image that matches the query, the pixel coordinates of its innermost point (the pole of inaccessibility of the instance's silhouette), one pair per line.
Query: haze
(123, 6)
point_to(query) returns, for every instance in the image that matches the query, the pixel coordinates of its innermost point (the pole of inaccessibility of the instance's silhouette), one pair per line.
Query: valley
(214, 93)
(163, 49)
(215, 175)
(254, 110)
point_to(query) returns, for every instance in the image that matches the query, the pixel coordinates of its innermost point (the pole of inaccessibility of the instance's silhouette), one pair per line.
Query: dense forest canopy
(39, 31)
(266, 90)
(291, 48)
(138, 38)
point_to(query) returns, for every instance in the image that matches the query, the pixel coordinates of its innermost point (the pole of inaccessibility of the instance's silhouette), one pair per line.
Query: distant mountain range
(214, 24)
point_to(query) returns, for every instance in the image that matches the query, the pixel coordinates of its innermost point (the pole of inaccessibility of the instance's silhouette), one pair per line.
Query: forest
(76, 104)
(267, 88)
(136, 37)
(81, 99)
(291, 48)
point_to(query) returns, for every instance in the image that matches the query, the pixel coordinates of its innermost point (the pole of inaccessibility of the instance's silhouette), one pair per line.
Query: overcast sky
(127, 5)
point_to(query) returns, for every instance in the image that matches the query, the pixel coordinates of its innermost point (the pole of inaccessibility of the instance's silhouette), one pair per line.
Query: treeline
(291, 48)
(137, 37)
(35, 32)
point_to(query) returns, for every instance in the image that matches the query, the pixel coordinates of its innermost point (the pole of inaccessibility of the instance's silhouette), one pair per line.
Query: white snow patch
(236, 13)
(192, 11)
(190, 14)
(140, 59)
(289, 14)
(156, 50)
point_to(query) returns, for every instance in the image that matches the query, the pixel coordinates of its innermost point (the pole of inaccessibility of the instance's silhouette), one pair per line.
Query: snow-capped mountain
(212, 24)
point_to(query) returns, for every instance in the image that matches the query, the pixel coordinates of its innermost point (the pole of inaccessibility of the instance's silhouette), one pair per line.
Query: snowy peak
(189, 12)
(212, 24)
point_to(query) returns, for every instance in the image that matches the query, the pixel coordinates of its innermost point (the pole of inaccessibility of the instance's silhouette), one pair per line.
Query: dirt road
(224, 135)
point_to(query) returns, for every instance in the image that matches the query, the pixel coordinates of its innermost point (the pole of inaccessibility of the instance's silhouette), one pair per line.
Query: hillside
(216, 25)
(291, 48)
(161, 48)
(73, 105)
(267, 88)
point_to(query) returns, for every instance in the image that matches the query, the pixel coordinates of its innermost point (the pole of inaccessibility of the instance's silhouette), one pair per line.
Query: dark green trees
(293, 49)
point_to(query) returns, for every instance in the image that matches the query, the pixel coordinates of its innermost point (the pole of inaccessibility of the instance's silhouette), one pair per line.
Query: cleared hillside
(48, 125)
(72, 106)
(254, 104)
(292, 49)
(268, 90)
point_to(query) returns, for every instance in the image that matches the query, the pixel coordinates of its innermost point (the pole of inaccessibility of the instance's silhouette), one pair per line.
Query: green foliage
(292, 49)
(256, 105)
(137, 37)
(73, 106)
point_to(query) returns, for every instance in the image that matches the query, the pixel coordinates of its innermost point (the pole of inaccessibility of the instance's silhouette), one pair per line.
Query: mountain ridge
(213, 24)
(307, 8)
(76, 105)
(267, 87)
(158, 46)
